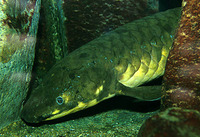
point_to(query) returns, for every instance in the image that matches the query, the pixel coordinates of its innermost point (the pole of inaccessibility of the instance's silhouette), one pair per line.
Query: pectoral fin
(147, 93)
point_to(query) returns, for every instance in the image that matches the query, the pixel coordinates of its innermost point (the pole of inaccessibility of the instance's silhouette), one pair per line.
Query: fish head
(70, 86)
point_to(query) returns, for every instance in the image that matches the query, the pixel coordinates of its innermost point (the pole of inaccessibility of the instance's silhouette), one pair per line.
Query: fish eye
(59, 100)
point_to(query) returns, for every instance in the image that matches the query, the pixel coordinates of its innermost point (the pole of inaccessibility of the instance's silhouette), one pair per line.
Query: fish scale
(150, 51)
(114, 64)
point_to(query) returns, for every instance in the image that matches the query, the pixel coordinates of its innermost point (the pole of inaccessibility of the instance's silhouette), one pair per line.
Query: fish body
(113, 64)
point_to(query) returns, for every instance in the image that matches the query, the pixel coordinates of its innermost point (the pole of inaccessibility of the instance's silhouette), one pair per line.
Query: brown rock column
(182, 76)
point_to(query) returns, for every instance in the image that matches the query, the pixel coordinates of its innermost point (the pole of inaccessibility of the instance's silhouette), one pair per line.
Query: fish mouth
(33, 118)
(25, 116)
(32, 114)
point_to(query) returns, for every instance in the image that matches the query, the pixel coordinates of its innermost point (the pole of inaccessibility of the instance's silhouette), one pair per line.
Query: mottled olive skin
(115, 63)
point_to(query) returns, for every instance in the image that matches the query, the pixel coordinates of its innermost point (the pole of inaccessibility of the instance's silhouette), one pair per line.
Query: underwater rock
(173, 122)
(51, 43)
(87, 20)
(18, 28)
(182, 76)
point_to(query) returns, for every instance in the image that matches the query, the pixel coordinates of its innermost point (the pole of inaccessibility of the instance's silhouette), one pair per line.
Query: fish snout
(29, 115)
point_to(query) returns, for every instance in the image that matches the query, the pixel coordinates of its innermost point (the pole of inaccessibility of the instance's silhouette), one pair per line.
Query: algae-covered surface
(120, 116)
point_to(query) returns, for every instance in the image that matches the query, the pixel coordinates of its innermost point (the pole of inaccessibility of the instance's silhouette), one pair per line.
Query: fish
(116, 63)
